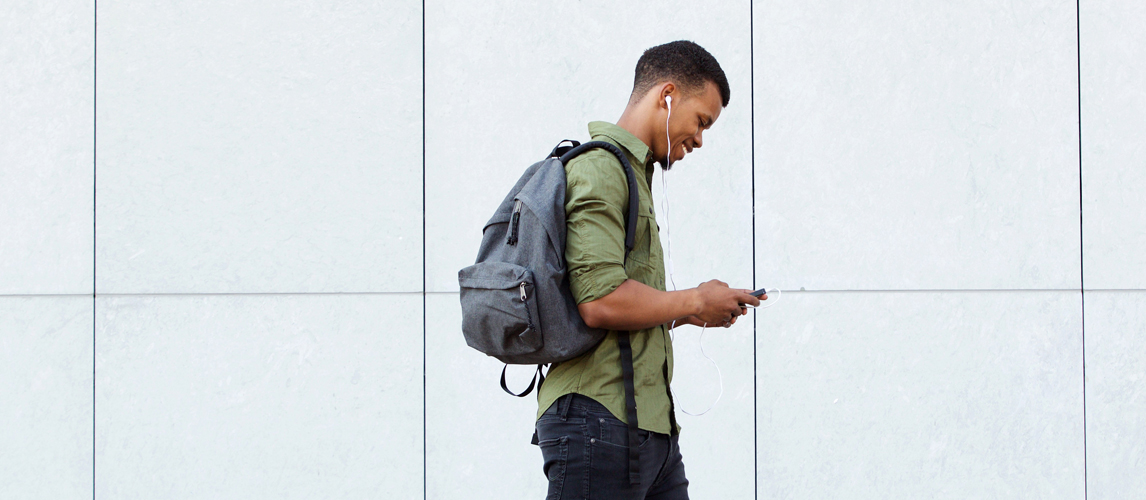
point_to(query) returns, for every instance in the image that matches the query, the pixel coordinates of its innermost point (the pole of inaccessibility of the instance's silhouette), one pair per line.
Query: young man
(678, 93)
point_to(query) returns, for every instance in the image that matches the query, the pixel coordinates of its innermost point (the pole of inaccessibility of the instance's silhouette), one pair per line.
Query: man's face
(691, 116)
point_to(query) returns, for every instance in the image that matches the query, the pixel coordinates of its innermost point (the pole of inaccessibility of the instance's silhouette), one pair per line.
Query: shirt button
(601, 420)
(650, 210)
(592, 440)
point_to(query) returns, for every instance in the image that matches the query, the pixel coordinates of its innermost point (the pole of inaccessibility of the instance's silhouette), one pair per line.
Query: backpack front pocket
(502, 318)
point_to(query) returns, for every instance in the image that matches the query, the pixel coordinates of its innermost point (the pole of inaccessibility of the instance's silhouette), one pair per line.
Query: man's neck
(632, 122)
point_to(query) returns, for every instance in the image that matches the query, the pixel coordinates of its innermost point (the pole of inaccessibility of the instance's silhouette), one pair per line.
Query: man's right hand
(718, 304)
(636, 306)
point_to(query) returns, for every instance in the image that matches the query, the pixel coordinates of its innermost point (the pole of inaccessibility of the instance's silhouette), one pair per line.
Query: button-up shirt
(596, 201)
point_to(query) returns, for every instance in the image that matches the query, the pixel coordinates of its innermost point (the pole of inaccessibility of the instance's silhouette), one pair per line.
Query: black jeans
(585, 449)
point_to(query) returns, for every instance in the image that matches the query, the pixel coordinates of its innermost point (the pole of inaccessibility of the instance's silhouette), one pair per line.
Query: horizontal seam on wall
(455, 292)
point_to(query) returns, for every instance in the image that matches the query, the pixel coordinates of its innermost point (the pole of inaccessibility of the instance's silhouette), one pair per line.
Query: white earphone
(668, 157)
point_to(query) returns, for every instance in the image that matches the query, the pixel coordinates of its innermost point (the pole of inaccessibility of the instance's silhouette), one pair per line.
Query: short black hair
(682, 62)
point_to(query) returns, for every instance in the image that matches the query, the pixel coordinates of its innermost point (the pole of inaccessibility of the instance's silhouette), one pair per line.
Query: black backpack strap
(538, 379)
(630, 407)
(626, 348)
(634, 200)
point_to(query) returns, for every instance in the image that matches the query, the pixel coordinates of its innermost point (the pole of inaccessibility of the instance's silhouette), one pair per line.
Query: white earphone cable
(668, 257)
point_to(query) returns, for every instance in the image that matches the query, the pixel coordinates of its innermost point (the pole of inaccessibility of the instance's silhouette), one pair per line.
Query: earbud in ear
(668, 100)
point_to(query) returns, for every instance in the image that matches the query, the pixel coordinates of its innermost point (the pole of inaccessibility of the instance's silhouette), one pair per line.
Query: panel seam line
(752, 136)
(95, 192)
(1081, 242)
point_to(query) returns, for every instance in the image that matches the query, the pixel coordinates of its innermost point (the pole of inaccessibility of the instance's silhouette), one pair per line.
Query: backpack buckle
(560, 150)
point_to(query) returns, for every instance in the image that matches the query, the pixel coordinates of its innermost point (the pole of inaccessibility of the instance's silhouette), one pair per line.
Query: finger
(748, 299)
(764, 296)
(741, 309)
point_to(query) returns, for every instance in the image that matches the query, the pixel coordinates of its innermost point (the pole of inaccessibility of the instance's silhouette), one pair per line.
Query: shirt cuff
(589, 284)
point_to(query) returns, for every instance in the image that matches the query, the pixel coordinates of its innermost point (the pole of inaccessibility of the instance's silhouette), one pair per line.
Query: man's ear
(667, 89)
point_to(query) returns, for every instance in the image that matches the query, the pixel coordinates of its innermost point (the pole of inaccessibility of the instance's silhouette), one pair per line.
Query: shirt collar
(635, 147)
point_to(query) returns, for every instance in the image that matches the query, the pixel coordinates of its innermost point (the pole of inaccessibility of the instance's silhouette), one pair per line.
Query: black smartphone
(758, 293)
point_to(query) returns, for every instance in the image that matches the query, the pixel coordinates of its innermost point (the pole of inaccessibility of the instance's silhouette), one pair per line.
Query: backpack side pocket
(499, 310)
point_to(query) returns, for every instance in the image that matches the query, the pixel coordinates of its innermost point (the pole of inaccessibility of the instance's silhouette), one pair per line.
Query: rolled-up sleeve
(595, 197)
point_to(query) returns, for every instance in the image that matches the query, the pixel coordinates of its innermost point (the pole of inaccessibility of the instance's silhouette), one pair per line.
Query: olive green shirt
(596, 201)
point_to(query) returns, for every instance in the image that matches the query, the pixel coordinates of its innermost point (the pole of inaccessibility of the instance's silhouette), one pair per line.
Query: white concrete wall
(223, 276)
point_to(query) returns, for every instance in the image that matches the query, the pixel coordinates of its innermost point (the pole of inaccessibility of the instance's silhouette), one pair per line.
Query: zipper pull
(512, 240)
(522, 288)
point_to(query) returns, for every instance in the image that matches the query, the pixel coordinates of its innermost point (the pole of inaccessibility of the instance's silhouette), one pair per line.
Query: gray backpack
(516, 302)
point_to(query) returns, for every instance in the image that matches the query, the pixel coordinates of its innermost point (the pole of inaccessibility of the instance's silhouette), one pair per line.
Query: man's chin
(668, 166)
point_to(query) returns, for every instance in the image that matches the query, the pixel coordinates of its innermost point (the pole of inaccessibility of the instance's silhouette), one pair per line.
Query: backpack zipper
(513, 225)
(528, 317)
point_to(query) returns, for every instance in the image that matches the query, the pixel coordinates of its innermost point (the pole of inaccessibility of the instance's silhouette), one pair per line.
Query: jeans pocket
(609, 468)
(614, 432)
(555, 454)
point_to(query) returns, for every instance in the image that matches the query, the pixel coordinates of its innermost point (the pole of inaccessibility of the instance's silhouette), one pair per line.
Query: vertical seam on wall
(752, 135)
(1081, 241)
(425, 470)
(95, 63)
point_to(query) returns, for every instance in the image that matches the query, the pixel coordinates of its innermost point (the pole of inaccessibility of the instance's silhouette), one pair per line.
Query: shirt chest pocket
(646, 262)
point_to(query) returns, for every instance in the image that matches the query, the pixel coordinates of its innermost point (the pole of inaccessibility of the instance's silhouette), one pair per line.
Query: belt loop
(563, 406)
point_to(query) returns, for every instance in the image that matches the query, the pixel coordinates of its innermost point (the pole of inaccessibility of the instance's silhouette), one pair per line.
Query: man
(678, 93)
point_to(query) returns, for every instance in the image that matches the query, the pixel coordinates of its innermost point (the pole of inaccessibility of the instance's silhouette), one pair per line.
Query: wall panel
(471, 420)
(1113, 153)
(259, 147)
(46, 397)
(916, 145)
(46, 97)
(477, 436)
(502, 90)
(921, 394)
(1115, 394)
(259, 396)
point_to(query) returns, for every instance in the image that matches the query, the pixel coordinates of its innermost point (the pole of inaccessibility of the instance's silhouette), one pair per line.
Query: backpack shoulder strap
(630, 176)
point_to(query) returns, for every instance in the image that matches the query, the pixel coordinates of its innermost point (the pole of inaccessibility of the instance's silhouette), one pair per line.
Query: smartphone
(758, 293)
